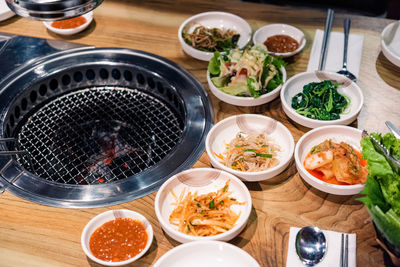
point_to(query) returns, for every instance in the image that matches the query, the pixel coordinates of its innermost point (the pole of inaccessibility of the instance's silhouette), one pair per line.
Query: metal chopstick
(346, 252)
(341, 252)
(325, 40)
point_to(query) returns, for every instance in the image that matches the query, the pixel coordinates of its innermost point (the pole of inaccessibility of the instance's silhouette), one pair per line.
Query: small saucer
(261, 35)
(88, 16)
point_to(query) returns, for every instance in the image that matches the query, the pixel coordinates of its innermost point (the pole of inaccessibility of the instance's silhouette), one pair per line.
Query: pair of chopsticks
(325, 40)
(344, 251)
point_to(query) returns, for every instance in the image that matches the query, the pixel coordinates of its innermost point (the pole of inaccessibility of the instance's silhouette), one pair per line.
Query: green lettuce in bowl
(382, 189)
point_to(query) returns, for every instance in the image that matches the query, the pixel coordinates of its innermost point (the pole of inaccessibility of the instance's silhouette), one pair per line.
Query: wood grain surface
(36, 235)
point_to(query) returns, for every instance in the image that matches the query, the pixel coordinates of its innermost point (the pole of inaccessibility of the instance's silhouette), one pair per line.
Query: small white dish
(107, 216)
(225, 131)
(348, 88)
(336, 133)
(88, 16)
(246, 101)
(5, 11)
(221, 20)
(202, 181)
(206, 253)
(390, 42)
(261, 35)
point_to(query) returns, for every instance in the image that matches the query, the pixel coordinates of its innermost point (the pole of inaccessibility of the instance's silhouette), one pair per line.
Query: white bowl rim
(222, 13)
(249, 174)
(204, 242)
(287, 54)
(142, 219)
(321, 122)
(385, 46)
(250, 98)
(167, 225)
(88, 16)
(300, 165)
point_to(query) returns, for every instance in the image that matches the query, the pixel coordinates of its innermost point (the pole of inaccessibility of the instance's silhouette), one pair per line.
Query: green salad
(249, 72)
(382, 189)
(320, 101)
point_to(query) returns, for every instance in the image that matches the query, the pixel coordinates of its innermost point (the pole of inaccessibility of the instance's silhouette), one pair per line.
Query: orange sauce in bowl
(118, 240)
(69, 23)
(321, 176)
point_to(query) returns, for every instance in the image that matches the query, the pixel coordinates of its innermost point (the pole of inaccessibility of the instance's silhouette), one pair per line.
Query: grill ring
(42, 85)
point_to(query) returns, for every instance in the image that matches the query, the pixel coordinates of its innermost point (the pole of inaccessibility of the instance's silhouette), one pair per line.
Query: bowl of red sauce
(329, 158)
(280, 39)
(70, 26)
(117, 237)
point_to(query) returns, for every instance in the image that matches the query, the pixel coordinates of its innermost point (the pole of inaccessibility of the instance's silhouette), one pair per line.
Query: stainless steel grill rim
(31, 86)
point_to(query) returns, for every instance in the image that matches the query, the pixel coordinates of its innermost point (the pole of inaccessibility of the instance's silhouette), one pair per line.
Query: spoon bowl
(310, 245)
(348, 74)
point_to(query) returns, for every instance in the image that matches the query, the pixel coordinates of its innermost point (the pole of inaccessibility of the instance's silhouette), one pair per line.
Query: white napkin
(334, 59)
(332, 257)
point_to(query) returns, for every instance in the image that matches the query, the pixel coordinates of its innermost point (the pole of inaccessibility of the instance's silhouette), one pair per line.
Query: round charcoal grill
(97, 127)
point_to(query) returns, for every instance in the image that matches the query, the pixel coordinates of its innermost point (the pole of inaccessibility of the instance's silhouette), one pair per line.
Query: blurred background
(377, 8)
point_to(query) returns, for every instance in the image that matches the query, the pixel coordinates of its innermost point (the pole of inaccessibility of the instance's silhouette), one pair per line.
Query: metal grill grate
(98, 135)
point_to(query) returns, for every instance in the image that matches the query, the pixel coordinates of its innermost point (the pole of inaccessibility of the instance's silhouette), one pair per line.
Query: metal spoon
(344, 70)
(310, 245)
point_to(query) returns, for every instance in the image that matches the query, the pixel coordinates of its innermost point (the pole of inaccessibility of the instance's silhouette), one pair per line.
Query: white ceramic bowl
(221, 20)
(206, 253)
(390, 40)
(261, 35)
(225, 131)
(202, 180)
(337, 133)
(107, 216)
(88, 16)
(295, 85)
(246, 101)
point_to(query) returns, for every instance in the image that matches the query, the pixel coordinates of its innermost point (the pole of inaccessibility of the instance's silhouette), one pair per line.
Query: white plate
(221, 20)
(206, 253)
(107, 216)
(225, 131)
(246, 101)
(261, 35)
(337, 133)
(88, 16)
(202, 181)
(295, 85)
(390, 42)
(5, 11)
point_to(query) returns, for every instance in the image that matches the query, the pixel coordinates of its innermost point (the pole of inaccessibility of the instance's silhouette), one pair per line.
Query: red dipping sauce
(69, 23)
(118, 240)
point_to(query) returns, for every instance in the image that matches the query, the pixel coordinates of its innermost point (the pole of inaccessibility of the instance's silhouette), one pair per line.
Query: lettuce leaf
(382, 192)
(237, 89)
(214, 65)
(253, 86)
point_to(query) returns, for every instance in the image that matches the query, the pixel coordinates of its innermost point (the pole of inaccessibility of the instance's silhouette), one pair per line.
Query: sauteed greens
(382, 189)
(211, 39)
(249, 72)
(320, 101)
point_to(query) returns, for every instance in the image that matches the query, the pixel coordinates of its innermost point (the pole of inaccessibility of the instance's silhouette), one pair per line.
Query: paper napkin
(334, 59)
(332, 256)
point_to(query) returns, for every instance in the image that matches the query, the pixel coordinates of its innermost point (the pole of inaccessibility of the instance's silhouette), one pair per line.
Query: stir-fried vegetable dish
(205, 215)
(250, 153)
(250, 72)
(320, 101)
(211, 39)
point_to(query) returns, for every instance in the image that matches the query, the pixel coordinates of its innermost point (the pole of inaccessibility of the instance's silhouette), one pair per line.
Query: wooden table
(36, 235)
